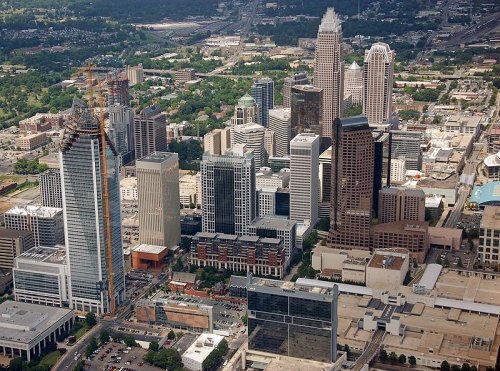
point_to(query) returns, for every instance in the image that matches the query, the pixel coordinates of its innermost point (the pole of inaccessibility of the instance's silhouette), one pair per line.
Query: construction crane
(105, 188)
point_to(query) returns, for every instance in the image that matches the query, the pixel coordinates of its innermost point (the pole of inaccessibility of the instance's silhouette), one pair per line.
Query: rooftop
(149, 249)
(330, 22)
(490, 192)
(383, 261)
(39, 211)
(158, 157)
(491, 217)
(307, 88)
(308, 287)
(13, 233)
(53, 255)
(274, 223)
(305, 138)
(202, 347)
(353, 123)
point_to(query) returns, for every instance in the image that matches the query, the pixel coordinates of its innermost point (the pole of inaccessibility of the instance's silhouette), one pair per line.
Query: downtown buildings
(262, 91)
(150, 132)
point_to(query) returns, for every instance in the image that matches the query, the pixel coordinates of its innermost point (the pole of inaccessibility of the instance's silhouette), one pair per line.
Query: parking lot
(115, 355)
(454, 259)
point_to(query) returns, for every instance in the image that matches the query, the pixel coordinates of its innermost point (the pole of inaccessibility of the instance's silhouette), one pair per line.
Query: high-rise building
(121, 131)
(279, 122)
(306, 110)
(135, 74)
(217, 141)
(150, 129)
(13, 243)
(405, 145)
(117, 84)
(50, 188)
(158, 199)
(398, 171)
(245, 111)
(378, 71)
(269, 144)
(489, 237)
(298, 78)
(292, 319)
(46, 223)
(228, 191)
(352, 184)
(325, 182)
(92, 221)
(397, 204)
(304, 178)
(381, 166)
(353, 84)
(262, 92)
(329, 70)
(251, 135)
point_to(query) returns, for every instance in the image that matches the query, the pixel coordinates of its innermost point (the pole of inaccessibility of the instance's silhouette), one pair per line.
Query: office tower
(158, 199)
(245, 111)
(13, 243)
(381, 166)
(150, 129)
(304, 178)
(92, 220)
(251, 135)
(46, 223)
(50, 188)
(211, 142)
(378, 71)
(117, 83)
(298, 78)
(269, 144)
(353, 84)
(184, 75)
(405, 145)
(325, 182)
(121, 131)
(279, 122)
(262, 92)
(306, 110)
(228, 191)
(397, 204)
(398, 171)
(352, 184)
(135, 74)
(489, 236)
(329, 70)
(293, 319)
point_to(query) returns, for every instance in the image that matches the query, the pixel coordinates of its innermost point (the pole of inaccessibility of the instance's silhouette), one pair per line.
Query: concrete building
(304, 178)
(345, 265)
(353, 84)
(135, 74)
(396, 204)
(50, 188)
(150, 133)
(117, 89)
(459, 124)
(87, 215)
(41, 122)
(405, 145)
(128, 189)
(13, 243)
(217, 141)
(31, 141)
(262, 256)
(493, 138)
(41, 276)
(307, 110)
(266, 178)
(492, 167)
(46, 223)
(228, 191)
(274, 309)
(387, 269)
(352, 184)
(184, 75)
(149, 257)
(329, 70)
(158, 199)
(280, 124)
(121, 131)
(378, 74)
(262, 91)
(325, 182)
(298, 78)
(188, 192)
(269, 143)
(245, 111)
(398, 171)
(26, 329)
(194, 317)
(489, 236)
(198, 352)
(252, 136)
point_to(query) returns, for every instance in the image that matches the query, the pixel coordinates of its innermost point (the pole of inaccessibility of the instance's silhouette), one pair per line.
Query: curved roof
(246, 101)
(467, 305)
(490, 192)
(493, 160)
(379, 48)
(430, 276)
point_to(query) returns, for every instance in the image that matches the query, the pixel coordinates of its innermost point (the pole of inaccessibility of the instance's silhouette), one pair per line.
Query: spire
(354, 66)
(330, 22)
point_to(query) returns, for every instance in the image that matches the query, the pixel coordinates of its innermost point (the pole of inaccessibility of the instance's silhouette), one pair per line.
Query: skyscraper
(352, 184)
(251, 135)
(158, 199)
(279, 122)
(329, 70)
(401, 204)
(228, 191)
(150, 132)
(245, 111)
(304, 178)
(353, 83)
(135, 74)
(94, 274)
(117, 83)
(306, 110)
(405, 145)
(50, 188)
(262, 92)
(378, 74)
(121, 131)
(298, 78)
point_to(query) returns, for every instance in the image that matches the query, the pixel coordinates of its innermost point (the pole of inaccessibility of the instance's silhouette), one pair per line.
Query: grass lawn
(50, 359)
(81, 331)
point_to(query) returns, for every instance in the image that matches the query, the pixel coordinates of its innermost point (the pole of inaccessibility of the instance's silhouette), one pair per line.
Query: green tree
(104, 336)
(445, 366)
(393, 358)
(402, 359)
(91, 347)
(244, 319)
(466, 367)
(383, 356)
(167, 359)
(79, 366)
(455, 368)
(412, 361)
(171, 335)
(16, 364)
(90, 319)
(154, 346)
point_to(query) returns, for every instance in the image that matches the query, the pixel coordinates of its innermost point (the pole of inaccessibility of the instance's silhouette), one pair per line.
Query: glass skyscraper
(262, 92)
(291, 319)
(85, 222)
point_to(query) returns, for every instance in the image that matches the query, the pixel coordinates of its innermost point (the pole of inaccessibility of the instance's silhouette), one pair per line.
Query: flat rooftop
(24, 322)
(386, 262)
(273, 223)
(149, 249)
(491, 217)
(157, 157)
(54, 255)
(293, 287)
(202, 347)
(39, 211)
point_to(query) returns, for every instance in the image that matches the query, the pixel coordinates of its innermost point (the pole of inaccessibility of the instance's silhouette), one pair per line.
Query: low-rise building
(486, 195)
(128, 189)
(387, 268)
(182, 281)
(198, 352)
(492, 167)
(31, 141)
(184, 75)
(149, 257)
(188, 190)
(41, 122)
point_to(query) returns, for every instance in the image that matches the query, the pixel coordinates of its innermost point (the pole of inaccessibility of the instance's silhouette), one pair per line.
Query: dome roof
(246, 101)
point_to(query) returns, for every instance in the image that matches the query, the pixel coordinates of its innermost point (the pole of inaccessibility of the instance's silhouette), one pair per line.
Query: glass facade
(224, 200)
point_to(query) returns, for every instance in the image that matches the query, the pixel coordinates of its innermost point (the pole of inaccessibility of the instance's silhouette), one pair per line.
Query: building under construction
(117, 84)
(91, 201)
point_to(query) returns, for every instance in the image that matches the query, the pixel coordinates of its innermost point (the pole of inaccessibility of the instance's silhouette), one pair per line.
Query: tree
(171, 335)
(154, 346)
(383, 356)
(393, 358)
(91, 347)
(168, 359)
(402, 359)
(16, 364)
(104, 336)
(346, 348)
(79, 366)
(244, 319)
(412, 361)
(466, 367)
(445, 366)
(90, 319)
